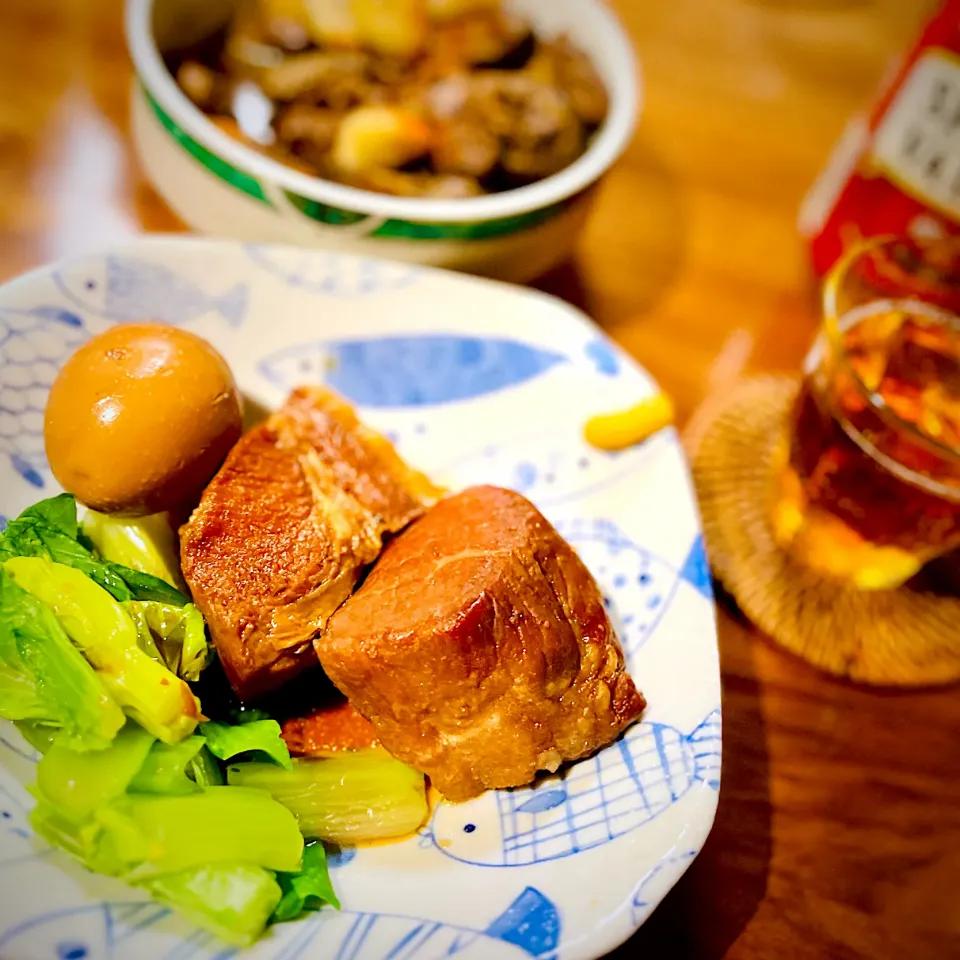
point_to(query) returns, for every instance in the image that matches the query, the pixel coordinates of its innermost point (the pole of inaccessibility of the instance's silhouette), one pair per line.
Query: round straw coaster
(906, 637)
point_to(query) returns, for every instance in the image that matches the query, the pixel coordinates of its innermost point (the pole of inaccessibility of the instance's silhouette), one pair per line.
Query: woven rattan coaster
(904, 637)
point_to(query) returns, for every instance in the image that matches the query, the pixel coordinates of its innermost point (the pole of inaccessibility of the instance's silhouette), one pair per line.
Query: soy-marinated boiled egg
(140, 418)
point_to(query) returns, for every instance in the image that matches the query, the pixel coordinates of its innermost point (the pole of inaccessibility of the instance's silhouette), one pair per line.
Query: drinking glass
(867, 479)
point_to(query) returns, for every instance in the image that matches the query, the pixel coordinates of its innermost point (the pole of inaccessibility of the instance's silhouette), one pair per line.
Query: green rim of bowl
(216, 165)
(336, 216)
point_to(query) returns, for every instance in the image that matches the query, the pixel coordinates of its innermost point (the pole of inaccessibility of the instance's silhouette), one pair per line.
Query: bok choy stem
(367, 795)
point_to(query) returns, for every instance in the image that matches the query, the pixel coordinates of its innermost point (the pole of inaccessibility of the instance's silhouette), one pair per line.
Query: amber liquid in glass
(869, 488)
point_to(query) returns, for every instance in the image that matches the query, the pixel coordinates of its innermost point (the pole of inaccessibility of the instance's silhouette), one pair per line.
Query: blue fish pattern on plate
(34, 344)
(332, 275)
(549, 475)
(642, 903)
(605, 357)
(410, 370)
(633, 580)
(529, 927)
(696, 568)
(623, 787)
(124, 289)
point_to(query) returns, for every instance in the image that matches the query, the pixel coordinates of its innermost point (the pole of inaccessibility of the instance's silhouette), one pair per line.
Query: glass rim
(834, 332)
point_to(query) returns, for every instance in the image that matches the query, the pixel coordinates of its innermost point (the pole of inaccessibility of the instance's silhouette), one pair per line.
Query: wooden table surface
(838, 831)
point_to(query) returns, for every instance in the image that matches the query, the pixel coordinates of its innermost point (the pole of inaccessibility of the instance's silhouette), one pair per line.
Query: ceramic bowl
(475, 382)
(222, 187)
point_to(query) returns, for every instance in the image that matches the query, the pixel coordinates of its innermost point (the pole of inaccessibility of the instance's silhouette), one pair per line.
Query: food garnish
(625, 428)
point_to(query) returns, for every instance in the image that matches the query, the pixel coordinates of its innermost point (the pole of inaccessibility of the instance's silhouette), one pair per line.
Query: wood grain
(838, 833)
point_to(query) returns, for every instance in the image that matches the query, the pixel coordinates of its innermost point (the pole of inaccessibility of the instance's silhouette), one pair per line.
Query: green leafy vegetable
(84, 639)
(257, 736)
(82, 840)
(174, 636)
(158, 835)
(248, 715)
(76, 784)
(49, 529)
(204, 770)
(211, 853)
(142, 586)
(57, 830)
(234, 901)
(166, 767)
(367, 795)
(40, 736)
(44, 678)
(143, 544)
(103, 630)
(309, 889)
(58, 513)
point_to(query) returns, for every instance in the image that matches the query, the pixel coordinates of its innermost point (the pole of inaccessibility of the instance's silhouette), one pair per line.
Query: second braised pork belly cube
(480, 649)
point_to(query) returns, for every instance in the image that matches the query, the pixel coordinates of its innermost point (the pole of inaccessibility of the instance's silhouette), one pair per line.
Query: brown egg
(140, 418)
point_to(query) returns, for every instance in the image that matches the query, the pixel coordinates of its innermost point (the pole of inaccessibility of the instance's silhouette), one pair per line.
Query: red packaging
(897, 171)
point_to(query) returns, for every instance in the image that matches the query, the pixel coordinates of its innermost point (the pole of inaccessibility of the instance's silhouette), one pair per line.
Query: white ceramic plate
(474, 382)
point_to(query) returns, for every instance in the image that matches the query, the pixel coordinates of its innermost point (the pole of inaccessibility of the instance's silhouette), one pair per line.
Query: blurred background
(838, 832)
